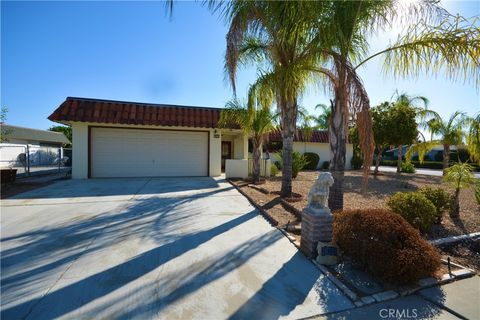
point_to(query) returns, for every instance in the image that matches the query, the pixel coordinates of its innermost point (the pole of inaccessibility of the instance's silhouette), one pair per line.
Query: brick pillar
(316, 226)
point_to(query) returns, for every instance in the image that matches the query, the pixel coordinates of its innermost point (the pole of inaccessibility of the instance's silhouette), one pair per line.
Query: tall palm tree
(275, 36)
(257, 123)
(436, 42)
(292, 42)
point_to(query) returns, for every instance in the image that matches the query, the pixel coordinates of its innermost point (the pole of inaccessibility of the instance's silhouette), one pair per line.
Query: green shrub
(357, 161)
(415, 208)
(273, 170)
(312, 159)
(326, 165)
(385, 245)
(440, 198)
(298, 162)
(408, 167)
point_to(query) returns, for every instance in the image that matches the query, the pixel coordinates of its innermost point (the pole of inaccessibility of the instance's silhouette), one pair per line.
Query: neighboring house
(436, 154)
(130, 139)
(39, 147)
(315, 142)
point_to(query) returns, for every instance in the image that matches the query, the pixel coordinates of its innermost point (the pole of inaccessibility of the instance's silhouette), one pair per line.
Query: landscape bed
(380, 188)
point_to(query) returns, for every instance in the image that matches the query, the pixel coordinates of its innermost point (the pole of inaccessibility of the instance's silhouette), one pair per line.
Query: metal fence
(30, 159)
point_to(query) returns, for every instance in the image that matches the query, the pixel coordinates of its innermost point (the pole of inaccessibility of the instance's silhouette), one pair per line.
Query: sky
(133, 51)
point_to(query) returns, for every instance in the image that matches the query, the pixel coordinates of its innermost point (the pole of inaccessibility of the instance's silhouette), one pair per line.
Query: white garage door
(148, 153)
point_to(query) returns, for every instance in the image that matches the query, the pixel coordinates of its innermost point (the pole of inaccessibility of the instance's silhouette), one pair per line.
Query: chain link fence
(31, 159)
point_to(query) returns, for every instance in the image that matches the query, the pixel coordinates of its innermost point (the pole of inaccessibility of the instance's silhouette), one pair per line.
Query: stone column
(316, 217)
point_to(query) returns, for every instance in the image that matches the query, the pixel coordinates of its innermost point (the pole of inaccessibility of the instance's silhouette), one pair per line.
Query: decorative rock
(317, 218)
(327, 253)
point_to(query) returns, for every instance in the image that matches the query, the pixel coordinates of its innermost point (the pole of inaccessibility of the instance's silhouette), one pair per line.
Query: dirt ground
(383, 186)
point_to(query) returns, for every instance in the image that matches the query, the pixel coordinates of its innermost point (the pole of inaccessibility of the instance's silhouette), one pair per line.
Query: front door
(226, 152)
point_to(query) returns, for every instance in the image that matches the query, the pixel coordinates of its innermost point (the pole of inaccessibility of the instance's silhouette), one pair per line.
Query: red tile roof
(316, 136)
(122, 112)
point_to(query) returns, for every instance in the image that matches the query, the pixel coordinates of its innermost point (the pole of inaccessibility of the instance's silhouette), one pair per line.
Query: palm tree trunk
(288, 123)
(257, 151)
(337, 132)
(399, 159)
(446, 157)
(455, 213)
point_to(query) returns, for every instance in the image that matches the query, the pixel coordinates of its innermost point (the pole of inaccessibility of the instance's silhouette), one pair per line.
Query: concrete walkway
(152, 248)
(457, 300)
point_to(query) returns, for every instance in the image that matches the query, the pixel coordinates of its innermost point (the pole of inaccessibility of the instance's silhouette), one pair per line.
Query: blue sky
(132, 51)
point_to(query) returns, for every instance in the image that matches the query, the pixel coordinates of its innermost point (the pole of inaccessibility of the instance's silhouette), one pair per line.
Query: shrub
(298, 162)
(356, 161)
(326, 165)
(385, 245)
(415, 208)
(440, 198)
(408, 167)
(312, 159)
(273, 170)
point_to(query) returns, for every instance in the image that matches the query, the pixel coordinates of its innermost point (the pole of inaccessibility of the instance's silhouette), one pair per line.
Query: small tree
(4, 132)
(257, 123)
(381, 130)
(67, 131)
(459, 176)
(402, 126)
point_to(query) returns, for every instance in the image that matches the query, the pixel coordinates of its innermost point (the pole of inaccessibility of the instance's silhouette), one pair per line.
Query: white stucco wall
(79, 150)
(322, 149)
(80, 146)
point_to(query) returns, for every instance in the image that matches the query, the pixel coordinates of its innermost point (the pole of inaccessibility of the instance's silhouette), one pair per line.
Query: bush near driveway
(385, 244)
(441, 199)
(415, 208)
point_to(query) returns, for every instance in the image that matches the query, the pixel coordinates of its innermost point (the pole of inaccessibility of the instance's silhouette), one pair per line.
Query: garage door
(148, 153)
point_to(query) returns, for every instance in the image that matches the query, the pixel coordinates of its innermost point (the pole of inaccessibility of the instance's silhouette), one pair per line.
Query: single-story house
(315, 142)
(21, 146)
(131, 139)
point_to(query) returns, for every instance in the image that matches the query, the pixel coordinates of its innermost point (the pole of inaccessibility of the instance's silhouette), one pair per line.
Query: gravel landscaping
(379, 189)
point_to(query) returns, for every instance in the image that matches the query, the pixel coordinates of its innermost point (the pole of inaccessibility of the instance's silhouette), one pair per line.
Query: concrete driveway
(166, 248)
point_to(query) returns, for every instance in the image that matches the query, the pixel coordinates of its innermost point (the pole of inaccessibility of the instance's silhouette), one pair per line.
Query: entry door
(226, 152)
(119, 152)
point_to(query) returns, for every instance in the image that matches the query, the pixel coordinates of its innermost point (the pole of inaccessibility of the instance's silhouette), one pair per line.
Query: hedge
(417, 164)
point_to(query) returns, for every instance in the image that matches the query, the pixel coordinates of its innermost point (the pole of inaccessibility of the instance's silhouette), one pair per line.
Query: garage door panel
(148, 153)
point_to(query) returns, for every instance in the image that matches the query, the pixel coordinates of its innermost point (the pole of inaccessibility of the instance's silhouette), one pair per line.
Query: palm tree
(473, 138)
(274, 35)
(435, 39)
(460, 176)
(257, 123)
(293, 42)
(450, 132)
(323, 120)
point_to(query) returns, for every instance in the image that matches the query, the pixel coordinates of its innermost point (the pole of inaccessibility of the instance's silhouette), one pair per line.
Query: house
(131, 139)
(316, 141)
(23, 148)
